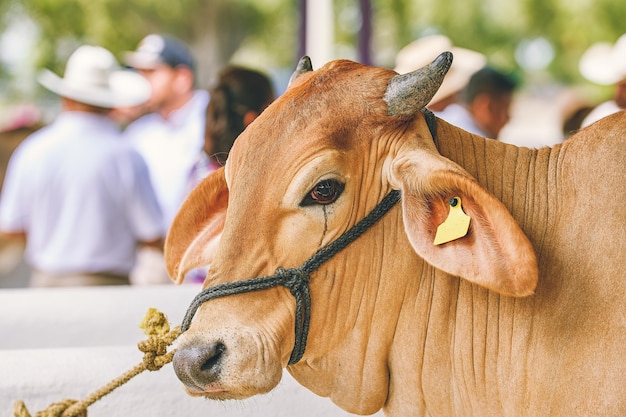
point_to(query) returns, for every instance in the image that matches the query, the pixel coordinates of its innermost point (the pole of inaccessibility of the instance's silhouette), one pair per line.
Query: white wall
(85, 316)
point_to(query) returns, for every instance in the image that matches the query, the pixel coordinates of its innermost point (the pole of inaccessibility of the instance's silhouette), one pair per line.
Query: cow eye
(324, 192)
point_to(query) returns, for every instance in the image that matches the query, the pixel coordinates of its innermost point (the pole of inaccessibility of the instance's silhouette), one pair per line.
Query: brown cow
(495, 320)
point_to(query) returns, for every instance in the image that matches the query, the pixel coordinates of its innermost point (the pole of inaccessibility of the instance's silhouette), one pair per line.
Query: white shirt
(170, 148)
(82, 195)
(459, 116)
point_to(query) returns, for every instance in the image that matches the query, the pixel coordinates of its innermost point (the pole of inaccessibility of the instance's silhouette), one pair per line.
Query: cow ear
(196, 229)
(488, 249)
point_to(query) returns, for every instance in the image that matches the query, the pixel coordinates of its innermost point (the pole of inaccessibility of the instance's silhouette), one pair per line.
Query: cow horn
(409, 93)
(304, 65)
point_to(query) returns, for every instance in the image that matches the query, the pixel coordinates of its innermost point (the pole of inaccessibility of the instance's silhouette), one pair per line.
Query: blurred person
(604, 63)
(170, 135)
(487, 100)
(238, 98)
(423, 51)
(124, 116)
(23, 121)
(75, 191)
(617, 103)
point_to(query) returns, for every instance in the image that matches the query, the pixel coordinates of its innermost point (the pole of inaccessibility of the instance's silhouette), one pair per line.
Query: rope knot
(154, 323)
(60, 409)
(296, 279)
(157, 328)
(155, 352)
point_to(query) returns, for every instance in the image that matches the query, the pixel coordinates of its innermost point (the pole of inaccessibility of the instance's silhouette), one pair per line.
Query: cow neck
(297, 279)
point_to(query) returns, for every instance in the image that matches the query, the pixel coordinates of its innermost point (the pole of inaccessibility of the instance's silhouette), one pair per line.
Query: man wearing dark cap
(171, 135)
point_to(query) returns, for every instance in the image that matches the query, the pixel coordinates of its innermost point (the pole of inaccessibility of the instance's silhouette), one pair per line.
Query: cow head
(310, 167)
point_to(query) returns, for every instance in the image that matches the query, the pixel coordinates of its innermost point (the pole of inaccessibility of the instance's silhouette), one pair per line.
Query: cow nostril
(213, 357)
(199, 366)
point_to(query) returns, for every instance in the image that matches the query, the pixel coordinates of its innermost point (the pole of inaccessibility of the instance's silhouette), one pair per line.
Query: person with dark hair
(239, 97)
(487, 100)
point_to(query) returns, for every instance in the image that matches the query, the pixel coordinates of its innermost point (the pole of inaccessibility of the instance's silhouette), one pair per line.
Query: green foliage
(264, 33)
(120, 24)
(496, 27)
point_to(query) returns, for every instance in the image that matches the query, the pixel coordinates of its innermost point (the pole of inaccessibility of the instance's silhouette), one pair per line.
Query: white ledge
(85, 316)
(60, 343)
(40, 377)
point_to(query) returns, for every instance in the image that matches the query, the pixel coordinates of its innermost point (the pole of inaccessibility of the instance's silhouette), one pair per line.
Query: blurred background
(539, 42)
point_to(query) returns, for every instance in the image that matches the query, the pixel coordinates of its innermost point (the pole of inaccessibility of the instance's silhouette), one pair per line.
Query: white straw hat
(423, 51)
(604, 63)
(93, 76)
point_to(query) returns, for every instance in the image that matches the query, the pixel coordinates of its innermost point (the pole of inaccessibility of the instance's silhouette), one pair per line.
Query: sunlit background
(538, 41)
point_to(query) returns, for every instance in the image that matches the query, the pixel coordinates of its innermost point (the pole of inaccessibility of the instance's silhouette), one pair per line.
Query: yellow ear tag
(455, 226)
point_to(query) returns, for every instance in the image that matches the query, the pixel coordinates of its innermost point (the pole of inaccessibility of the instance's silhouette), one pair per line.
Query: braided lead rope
(160, 337)
(295, 279)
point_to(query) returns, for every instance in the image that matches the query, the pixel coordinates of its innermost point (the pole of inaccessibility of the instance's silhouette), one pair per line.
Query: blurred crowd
(478, 96)
(89, 197)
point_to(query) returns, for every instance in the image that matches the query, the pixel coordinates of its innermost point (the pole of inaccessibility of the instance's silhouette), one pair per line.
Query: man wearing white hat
(75, 190)
(605, 64)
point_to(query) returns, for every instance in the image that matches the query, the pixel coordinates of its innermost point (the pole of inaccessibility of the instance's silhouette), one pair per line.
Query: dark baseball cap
(155, 50)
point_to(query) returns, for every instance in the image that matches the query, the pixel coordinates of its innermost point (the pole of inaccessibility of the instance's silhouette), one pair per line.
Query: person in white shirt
(472, 96)
(170, 135)
(486, 102)
(76, 191)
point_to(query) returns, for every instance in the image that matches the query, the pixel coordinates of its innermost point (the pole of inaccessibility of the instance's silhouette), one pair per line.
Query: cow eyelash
(323, 193)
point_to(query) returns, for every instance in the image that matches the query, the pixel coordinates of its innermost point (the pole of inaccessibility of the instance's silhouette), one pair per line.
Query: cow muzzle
(230, 362)
(199, 367)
